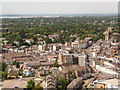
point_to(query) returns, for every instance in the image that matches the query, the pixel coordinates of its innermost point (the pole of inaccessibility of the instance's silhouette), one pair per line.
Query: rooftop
(114, 82)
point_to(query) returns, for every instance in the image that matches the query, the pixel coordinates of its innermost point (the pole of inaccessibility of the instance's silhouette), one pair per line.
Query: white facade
(104, 69)
(54, 48)
(107, 63)
(40, 47)
(94, 54)
(82, 59)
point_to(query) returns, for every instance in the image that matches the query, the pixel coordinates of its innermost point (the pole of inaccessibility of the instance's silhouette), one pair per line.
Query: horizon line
(60, 14)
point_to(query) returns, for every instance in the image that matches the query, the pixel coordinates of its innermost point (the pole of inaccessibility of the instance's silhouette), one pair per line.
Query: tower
(107, 33)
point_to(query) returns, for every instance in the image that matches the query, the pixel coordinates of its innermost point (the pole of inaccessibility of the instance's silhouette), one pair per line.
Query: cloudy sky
(58, 7)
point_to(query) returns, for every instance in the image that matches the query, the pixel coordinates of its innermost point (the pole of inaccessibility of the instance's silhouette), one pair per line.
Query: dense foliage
(30, 84)
(38, 87)
(3, 70)
(34, 28)
(62, 83)
(16, 63)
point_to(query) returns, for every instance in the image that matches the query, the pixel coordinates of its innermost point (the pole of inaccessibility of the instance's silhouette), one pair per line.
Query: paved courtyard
(14, 83)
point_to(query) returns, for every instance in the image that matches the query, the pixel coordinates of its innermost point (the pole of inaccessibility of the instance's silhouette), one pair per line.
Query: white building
(82, 59)
(106, 69)
(29, 40)
(109, 84)
(54, 48)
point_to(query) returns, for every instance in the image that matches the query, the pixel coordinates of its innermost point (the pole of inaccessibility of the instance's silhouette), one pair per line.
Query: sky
(61, 7)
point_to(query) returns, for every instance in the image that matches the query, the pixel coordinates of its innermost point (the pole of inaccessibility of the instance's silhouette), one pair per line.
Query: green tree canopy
(38, 87)
(16, 63)
(30, 84)
(48, 40)
(62, 83)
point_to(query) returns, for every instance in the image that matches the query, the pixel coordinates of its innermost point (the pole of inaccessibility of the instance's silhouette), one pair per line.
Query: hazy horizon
(67, 14)
(40, 8)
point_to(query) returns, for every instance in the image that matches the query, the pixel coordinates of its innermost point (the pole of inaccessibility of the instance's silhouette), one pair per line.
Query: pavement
(14, 83)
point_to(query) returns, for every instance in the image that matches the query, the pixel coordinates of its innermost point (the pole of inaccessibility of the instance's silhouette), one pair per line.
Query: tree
(59, 40)
(62, 83)
(30, 84)
(3, 70)
(4, 74)
(21, 72)
(29, 28)
(1, 49)
(48, 40)
(23, 43)
(17, 64)
(55, 64)
(38, 87)
(95, 38)
(14, 44)
(3, 66)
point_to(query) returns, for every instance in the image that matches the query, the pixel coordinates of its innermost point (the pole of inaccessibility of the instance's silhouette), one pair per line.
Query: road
(91, 82)
(88, 82)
